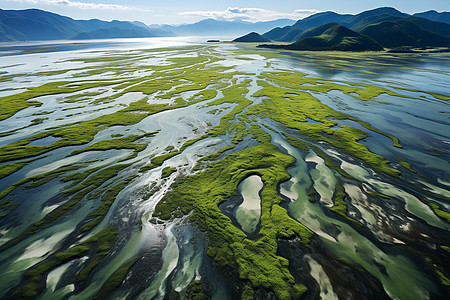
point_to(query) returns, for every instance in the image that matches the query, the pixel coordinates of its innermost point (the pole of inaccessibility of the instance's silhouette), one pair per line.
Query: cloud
(250, 14)
(78, 4)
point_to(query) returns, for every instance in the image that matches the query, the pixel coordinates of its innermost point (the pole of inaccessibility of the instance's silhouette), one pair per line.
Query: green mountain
(433, 15)
(406, 32)
(275, 33)
(212, 27)
(252, 37)
(440, 28)
(107, 33)
(331, 37)
(35, 24)
(385, 26)
(292, 33)
(335, 37)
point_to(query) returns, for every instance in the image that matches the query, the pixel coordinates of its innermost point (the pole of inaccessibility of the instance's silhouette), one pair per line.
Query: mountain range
(385, 27)
(35, 24)
(211, 27)
(371, 30)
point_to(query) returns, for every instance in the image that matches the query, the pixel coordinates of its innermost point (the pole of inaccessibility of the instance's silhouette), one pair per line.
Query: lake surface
(83, 170)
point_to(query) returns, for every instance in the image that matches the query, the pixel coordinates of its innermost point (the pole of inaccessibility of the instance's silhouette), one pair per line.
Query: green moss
(85, 131)
(255, 261)
(6, 170)
(34, 283)
(294, 108)
(406, 165)
(439, 212)
(444, 280)
(6, 207)
(195, 291)
(117, 143)
(115, 280)
(445, 248)
(247, 293)
(167, 171)
(10, 105)
(374, 194)
(340, 207)
(435, 95)
(106, 202)
(77, 193)
(312, 194)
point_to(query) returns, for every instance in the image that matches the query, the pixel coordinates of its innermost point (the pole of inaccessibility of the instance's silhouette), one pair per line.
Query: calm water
(173, 254)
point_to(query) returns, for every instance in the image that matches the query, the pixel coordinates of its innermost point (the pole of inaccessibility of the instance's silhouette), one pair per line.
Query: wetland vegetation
(137, 178)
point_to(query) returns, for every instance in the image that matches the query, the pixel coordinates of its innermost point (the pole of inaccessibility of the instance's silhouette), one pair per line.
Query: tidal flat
(196, 171)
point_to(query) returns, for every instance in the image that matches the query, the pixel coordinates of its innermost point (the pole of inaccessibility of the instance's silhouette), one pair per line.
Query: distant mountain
(107, 33)
(404, 32)
(433, 15)
(34, 24)
(385, 26)
(276, 33)
(334, 37)
(252, 37)
(440, 28)
(290, 33)
(371, 16)
(211, 27)
(293, 32)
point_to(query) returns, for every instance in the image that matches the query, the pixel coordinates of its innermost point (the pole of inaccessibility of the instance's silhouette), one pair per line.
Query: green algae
(77, 193)
(100, 244)
(118, 143)
(10, 105)
(167, 171)
(115, 279)
(255, 261)
(294, 108)
(9, 169)
(195, 291)
(85, 131)
(6, 207)
(340, 207)
(106, 201)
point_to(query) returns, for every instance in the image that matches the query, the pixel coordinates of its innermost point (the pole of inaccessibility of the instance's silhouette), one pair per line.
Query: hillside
(404, 32)
(336, 37)
(34, 24)
(385, 26)
(252, 37)
(292, 33)
(106, 33)
(211, 27)
(433, 15)
(331, 37)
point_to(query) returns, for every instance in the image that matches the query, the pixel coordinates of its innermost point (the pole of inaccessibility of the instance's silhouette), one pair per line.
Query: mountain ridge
(36, 24)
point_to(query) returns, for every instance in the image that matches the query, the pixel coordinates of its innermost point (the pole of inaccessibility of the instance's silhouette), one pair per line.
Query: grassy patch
(33, 285)
(115, 280)
(255, 261)
(294, 108)
(167, 171)
(340, 207)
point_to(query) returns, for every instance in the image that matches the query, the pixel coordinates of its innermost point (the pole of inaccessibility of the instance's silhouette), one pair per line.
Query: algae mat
(120, 172)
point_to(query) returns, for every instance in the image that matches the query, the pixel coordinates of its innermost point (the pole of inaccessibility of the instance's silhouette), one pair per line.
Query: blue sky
(182, 11)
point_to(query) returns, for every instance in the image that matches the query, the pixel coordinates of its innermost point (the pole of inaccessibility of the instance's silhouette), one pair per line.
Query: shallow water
(249, 211)
(398, 226)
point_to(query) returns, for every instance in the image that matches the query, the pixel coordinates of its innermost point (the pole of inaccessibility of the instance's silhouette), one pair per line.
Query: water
(397, 228)
(249, 211)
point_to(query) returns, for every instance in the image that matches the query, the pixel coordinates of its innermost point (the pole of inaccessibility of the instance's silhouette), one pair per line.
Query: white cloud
(250, 14)
(78, 4)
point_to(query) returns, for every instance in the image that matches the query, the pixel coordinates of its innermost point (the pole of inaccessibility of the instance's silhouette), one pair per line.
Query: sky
(182, 11)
